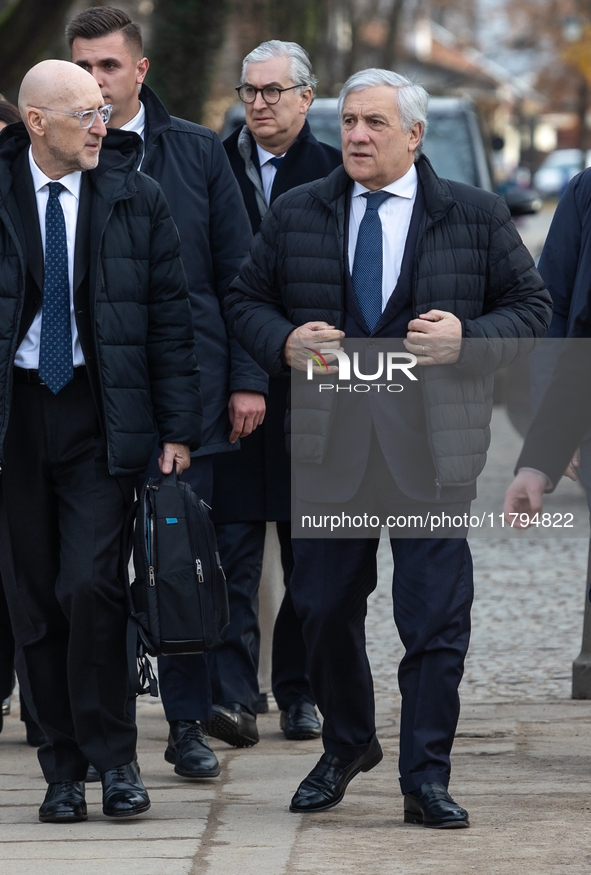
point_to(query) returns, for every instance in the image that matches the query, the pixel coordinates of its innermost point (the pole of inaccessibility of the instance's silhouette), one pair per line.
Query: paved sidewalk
(521, 762)
(522, 770)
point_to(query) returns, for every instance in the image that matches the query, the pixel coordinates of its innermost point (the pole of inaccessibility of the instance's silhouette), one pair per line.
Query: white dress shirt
(138, 125)
(395, 215)
(268, 170)
(27, 355)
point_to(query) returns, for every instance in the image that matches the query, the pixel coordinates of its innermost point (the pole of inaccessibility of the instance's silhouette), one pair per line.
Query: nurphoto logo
(394, 362)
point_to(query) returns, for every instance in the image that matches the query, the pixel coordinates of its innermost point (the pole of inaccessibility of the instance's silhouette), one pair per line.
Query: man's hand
(309, 338)
(435, 338)
(246, 411)
(172, 453)
(524, 496)
(570, 471)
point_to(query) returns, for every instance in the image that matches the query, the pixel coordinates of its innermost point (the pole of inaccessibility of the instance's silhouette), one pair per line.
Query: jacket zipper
(13, 350)
(101, 282)
(438, 483)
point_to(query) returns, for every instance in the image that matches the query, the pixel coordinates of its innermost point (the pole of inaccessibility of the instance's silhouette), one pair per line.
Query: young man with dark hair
(190, 164)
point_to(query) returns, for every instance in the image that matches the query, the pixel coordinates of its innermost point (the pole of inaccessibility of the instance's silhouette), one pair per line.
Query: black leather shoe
(64, 803)
(124, 795)
(433, 806)
(189, 752)
(262, 704)
(93, 777)
(326, 784)
(35, 735)
(300, 721)
(232, 723)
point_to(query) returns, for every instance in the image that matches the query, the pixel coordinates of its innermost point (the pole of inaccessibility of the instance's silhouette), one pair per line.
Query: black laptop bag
(178, 602)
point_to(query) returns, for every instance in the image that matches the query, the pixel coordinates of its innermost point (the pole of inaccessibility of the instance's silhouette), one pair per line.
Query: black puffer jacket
(141, 356)
(469, 261)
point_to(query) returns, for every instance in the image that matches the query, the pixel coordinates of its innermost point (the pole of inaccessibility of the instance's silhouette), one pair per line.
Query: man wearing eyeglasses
(272, 153)
(190, 164)
(96, 348)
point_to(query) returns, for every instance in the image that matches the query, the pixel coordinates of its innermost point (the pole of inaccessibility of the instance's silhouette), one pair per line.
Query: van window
(448, 146)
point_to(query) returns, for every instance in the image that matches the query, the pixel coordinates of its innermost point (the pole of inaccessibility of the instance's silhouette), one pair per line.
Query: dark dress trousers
(432, 586)
(69, 459)
(253, 486)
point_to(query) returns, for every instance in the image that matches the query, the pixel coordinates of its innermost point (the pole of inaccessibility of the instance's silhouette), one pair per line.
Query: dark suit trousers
(233, 667)
(432, 593)
(290, 679)
(6, 649)
(60, 526)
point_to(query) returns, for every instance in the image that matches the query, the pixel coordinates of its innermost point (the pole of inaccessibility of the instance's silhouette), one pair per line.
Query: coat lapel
(29, 218)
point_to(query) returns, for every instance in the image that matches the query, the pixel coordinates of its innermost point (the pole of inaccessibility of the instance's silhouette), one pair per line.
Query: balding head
(49, 95)
(58, 85)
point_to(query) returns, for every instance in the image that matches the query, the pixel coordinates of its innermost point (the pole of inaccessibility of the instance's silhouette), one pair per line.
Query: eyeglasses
(271, 94)
(86, 117)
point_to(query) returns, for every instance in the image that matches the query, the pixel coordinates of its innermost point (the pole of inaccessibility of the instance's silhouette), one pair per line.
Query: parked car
(454, 141)
(557, 170)
(518, 193)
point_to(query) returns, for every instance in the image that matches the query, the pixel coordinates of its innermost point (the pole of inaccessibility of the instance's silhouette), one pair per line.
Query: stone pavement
(521, 769)
(521, 763)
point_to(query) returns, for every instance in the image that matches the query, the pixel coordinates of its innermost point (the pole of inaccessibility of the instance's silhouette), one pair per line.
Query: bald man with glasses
(96, 352)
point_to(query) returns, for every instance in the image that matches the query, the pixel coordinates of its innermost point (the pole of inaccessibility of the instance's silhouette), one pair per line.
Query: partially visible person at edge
(565, 265)
(9, 114)
(403, 254)
(188, 161)
(96, 351)
(560, 425)
(273, 152)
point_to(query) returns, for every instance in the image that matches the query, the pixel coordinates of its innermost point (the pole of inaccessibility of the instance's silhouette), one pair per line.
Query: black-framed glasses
(86, 117)
(271, 93)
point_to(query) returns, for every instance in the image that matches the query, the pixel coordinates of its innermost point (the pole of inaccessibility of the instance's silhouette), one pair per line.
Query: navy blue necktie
(276, 161)
(56, 367)
(367, 264)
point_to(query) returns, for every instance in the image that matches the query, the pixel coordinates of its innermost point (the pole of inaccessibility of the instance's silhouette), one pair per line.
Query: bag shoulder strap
(139, 668)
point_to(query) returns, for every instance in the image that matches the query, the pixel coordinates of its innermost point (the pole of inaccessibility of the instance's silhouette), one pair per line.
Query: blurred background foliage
(524, 63)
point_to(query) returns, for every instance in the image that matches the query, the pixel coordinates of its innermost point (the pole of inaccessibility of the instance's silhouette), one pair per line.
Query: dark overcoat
(254, 484)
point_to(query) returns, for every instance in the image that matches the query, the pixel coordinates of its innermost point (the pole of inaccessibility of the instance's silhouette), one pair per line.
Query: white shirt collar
(265, 156)
(137, 123)
(72, 181)
(405, 187)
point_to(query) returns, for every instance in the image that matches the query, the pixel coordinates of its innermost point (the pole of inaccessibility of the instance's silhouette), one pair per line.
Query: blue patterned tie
(276, 161)
(367, 264)
(56, 368)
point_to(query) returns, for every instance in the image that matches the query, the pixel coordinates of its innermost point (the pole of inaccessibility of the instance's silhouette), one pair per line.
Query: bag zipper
(151, 566)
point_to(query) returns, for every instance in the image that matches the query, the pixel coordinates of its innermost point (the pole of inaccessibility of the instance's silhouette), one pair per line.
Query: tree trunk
(186, 36)
(27, 28)
(390, 55)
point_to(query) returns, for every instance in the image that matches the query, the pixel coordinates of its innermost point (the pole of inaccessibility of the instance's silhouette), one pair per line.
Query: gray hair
(412, 98)
(301, 65)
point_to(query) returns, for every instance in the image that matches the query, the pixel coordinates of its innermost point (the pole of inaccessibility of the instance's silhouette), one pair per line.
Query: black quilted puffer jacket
(141, 355)
(469, 261)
